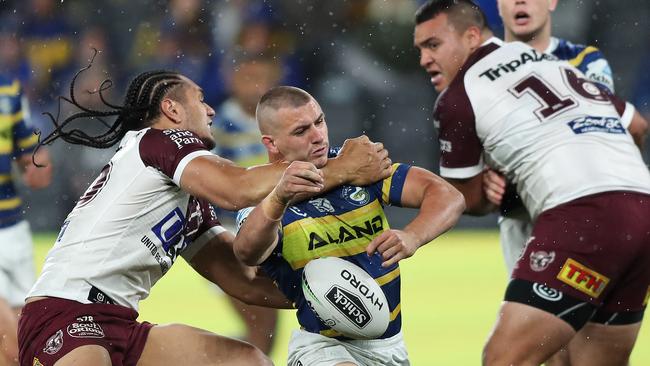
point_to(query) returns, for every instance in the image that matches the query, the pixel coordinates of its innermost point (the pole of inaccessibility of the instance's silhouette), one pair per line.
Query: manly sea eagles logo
(54, 343)
(540, 260)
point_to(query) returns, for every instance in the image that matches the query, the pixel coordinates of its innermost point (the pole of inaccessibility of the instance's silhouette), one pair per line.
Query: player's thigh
(178, 344)
(86, 355)
(607, 345)
(525, 335)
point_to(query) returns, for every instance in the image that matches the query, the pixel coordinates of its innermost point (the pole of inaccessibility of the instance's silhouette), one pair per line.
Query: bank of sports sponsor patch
(647, 297)
(85, 327)
(582, 278)
(54, 343)
(597, 124)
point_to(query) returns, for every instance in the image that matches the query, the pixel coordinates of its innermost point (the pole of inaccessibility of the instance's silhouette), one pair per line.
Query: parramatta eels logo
(357, 196)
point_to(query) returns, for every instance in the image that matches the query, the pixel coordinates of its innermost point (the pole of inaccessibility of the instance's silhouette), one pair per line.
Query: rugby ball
(345, 298)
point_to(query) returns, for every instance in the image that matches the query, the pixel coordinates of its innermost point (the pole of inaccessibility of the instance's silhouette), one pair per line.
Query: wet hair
(141, 107)
(461, 13)
(279, 97)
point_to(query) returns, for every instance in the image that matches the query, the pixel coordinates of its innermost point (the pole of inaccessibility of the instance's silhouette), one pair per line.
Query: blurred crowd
(356, 56)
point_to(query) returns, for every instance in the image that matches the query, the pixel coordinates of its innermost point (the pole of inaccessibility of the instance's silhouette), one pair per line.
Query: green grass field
(451, 290)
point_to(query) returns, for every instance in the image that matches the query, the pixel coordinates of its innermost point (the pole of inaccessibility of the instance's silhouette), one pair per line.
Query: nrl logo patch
(54, 343)
(540, 260)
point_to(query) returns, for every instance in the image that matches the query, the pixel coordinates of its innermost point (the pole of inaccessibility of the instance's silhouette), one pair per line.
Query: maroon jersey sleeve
(624, 109)
(460, 148)
(170, 150)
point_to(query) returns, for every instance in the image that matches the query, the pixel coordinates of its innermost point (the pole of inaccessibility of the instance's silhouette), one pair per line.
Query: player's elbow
(245, 253)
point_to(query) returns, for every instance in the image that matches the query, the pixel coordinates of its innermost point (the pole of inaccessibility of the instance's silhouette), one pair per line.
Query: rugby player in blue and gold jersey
(282, 235)
(17, 142)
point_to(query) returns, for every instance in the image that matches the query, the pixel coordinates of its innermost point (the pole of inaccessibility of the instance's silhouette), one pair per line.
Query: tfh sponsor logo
(582, 278)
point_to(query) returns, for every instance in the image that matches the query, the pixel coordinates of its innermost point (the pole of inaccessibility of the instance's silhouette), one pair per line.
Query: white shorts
(16, 263)
(514, 232)
(311, 349)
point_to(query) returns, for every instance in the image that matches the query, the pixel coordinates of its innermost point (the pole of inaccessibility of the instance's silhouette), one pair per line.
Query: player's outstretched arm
(218, 264)
(232, 187)
(36, 177)
(258, 235)
(476, 202)
(440, 207)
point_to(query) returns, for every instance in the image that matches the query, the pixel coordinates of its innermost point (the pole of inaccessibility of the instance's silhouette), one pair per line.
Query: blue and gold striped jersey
(340, 223)
(16, 139)
(587, 59)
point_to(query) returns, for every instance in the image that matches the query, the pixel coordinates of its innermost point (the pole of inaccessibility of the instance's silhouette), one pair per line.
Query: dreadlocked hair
(140, 107)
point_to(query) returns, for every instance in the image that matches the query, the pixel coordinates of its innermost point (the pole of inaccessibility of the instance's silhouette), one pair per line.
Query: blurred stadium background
(356, 57)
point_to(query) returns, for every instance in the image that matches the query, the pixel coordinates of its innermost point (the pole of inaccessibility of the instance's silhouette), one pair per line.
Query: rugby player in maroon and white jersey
(562, 141)
(150, 205)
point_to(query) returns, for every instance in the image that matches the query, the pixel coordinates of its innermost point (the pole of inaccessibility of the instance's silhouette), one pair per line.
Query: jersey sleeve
(460, 148)
(208, 229)
(242, 215)
(169, 151)
(24, 139)
(594, 65)
(391, 188)
(624, 109)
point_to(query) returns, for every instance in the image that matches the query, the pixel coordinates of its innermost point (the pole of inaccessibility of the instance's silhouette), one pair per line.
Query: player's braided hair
(140, 107)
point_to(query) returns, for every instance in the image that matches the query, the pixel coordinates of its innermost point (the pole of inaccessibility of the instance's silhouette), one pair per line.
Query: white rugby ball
(345, 297)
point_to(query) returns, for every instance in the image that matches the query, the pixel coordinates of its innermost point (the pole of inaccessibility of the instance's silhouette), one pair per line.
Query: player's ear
(472, 37)
(171, 110)
(269, 143)
(552, 4)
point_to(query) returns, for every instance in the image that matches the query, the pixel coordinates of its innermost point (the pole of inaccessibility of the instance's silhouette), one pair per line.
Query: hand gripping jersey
(340, 223)
(132, 223)
(16, 139)
(539, 121)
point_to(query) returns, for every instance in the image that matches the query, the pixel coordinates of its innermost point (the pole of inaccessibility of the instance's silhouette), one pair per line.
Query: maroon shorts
(595, 248)
(50, 328)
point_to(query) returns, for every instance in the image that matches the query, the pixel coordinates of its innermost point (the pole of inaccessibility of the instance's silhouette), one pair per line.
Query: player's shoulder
(576, 53)
(173, 137)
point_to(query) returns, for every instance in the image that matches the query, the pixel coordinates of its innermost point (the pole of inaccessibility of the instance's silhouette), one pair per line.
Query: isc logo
(582, 278)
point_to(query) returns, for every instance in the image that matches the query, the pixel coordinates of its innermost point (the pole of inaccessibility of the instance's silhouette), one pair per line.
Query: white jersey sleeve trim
(200, 242)
(461, 173)
(183, 163)
(242, 215)
(626, 118)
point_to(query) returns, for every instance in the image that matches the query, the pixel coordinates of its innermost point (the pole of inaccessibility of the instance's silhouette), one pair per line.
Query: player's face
(198, 114)
(301, 134)
(525, 19)
(442, 50)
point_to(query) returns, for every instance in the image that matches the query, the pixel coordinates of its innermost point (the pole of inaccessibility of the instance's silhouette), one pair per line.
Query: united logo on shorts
(582, 278)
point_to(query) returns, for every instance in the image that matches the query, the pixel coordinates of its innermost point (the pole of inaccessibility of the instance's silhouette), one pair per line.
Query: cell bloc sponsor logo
(540, 260)
(357, 196)
(588, 124)
(547, 293)
(582, 278)
(85, 327)
(350, 305)
(54, 343)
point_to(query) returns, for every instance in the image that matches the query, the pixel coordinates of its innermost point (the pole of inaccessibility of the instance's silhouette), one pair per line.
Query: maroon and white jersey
(537, 120)
(132, 223)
